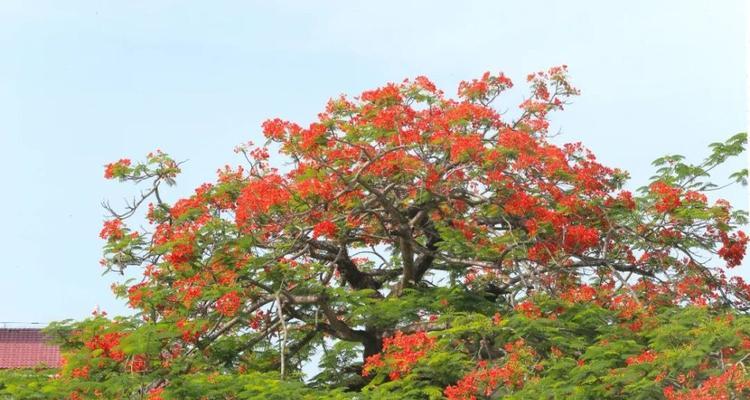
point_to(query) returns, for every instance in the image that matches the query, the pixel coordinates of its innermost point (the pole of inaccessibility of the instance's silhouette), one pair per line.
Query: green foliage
(249, 386)
(29, 384)
(674, 170)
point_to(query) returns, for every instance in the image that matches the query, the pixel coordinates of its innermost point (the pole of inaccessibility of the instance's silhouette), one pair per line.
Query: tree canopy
(411, 245)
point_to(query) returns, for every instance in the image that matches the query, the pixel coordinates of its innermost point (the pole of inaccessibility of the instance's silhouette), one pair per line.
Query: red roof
(27, 348)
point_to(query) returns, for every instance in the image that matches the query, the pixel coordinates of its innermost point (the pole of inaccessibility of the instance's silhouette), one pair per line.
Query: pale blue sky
(88, 82)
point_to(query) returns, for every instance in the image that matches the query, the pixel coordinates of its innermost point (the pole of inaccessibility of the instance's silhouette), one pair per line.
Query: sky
(93, 81)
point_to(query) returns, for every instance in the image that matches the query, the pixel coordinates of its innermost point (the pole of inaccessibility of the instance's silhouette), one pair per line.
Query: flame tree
(414, 245)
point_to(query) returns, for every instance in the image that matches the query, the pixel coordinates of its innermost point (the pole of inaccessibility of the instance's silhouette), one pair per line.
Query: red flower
(312, 136)
(732, 383)
(668, 196)
(183, 206)
(580, 238)
(155, 394)
(82, 372)
(426, 84)
(645, 357)
(542, 252)
(582, 293)
(626, 198)
(325, 228)
(259, 196)
(108, 344)
(487, 84)
(469, 146)
(485, 380)
(116, 169)
(138, 363)
(274, 129)
(400, 353)
(529, 309)
(520, 204)
(112, 230)
(135, 294)
(228, 304)
(734, 248)
(388, 93)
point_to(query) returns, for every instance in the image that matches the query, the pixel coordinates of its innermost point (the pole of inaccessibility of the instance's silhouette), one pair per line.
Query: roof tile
(27, 348)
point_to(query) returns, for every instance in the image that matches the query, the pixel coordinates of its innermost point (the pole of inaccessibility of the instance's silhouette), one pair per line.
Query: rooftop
(27, 348)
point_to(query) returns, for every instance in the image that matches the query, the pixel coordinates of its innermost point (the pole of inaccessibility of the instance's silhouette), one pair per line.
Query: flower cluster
(580, 293)
(668, 196)
(108, 344)
(647, 356)
(228, 304)
(487, 86)
(400, 353)
(730, 384)
(325, 228)
(112, 230)
(734, 248)
(117, 169)
(486, 378)
(529, 309)
(580, 238)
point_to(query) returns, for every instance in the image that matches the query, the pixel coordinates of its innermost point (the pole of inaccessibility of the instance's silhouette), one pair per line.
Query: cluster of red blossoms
(734, 248)
(259, 196)
(113, 229)
(155, 394)
(529, 309)
(116, 168)
(325, 228)
(645, 357)
(579, 238)
(190, 331)
(228, 304)
(669, 196)
(400, 353)
(108, 343)
(479, 88)
(81, 372)
(582, 293)
(486, 378)
(138, 363)
(729, 385)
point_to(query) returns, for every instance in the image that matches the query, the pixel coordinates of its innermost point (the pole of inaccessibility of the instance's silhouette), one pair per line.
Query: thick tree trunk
(373, 344)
